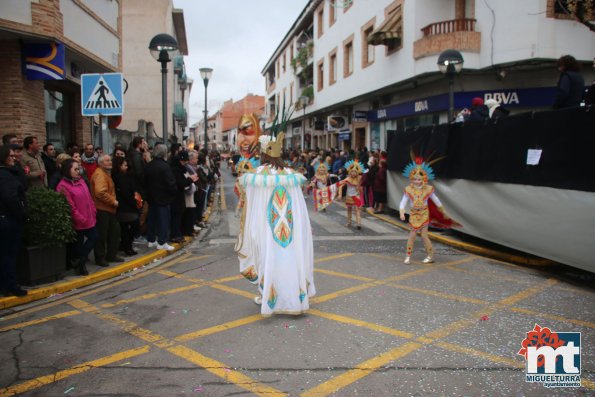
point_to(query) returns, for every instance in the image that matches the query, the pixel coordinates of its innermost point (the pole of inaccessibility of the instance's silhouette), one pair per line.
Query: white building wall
(86, 31)
(16, 11)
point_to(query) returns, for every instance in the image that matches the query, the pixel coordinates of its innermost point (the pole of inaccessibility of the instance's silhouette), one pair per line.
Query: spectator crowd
(135, 195)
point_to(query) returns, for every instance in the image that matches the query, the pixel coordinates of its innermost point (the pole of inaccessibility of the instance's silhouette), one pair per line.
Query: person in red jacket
(89, 160)
(379, 188)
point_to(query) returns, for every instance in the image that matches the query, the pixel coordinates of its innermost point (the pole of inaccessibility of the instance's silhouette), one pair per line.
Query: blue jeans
(158, 223)
(11, 236)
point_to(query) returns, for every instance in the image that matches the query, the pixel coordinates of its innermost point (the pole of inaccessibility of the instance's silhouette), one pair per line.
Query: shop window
(332, 67)
(58, 118)
(320, 14)
(368, 51)
(320, 76)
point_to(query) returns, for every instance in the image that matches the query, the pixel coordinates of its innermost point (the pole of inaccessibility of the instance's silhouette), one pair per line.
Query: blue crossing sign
(101, 94)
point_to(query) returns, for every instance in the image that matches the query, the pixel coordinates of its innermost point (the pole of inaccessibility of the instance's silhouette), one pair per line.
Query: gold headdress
(355, 165)
(272, 147)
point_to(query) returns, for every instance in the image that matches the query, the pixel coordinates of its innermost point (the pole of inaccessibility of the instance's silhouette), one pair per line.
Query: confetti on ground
(127, 363)
(227, 350)
(198, 389)
(69, 390)
(173, 312)
(226, 369)
(485, 318)
(185, 311)
(285, 325)
(292, 326)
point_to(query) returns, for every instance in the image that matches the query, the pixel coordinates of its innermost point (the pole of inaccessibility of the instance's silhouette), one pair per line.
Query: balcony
(459, 34)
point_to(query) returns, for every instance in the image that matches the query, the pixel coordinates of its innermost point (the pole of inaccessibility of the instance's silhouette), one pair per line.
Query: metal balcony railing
(455, 25)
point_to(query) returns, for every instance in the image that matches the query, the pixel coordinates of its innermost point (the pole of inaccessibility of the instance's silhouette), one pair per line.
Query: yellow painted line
(230, 278)
(78, 369)
(181, 276)
(360, 323)
(343, 292)
(442, 295)
(222, 197)
(511, 300)
(232, 290)
(361, 370)
(40, 321)
(487, 356)
(94, 290)
(224, 371)
(219, 328)
(587, 383)
(333, 257)
(552, 316)
(127, 326)
(488, 275)
(152, 295)
(461, 324)
(195, 258)
(343, 275)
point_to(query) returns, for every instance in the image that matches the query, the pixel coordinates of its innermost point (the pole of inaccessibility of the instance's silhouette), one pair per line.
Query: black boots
(81, 268)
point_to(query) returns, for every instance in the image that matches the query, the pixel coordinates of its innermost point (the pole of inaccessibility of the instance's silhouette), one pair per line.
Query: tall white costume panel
(275, 242)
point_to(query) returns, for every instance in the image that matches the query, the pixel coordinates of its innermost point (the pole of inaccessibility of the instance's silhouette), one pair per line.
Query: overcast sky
(236, 38)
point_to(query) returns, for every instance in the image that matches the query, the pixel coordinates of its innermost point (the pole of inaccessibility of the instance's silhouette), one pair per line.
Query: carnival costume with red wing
(425, 207)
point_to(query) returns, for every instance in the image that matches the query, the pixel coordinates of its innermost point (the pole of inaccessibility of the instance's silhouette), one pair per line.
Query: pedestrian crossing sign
(101, 94)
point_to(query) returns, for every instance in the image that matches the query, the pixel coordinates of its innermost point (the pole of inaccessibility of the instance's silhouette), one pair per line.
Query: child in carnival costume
(320, 182)
(275, 246)
(425, 207)
(354, 169)
(244, 165)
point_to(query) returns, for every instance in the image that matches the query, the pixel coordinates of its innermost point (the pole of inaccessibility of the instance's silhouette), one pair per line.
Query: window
(283, 61)
(320, 74)
(59, 117)
(284, 102)
(562, 9)
(291, 93)
(291, 52)
(368, 50)
(320, 14)
(348, 56)
(332, 67)
(332, 15)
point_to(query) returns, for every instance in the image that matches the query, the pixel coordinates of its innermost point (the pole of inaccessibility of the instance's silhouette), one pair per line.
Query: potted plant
(48, 229)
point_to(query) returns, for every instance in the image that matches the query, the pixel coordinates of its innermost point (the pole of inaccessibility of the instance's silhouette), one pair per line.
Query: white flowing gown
(275, 241)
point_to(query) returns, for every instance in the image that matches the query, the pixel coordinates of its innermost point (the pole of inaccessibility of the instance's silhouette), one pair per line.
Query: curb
(83, 281)
(102, 275)
(475, 249)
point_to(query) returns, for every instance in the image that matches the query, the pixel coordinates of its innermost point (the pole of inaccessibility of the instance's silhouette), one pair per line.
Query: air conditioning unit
(336, 123)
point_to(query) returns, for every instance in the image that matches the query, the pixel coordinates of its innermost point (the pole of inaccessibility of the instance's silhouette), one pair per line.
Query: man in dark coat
(12, 219)
(571, 84)
(183, 180)
(479, 111)
(161, 193)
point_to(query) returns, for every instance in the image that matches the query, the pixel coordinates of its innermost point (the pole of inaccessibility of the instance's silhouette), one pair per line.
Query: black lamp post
(163, 47)
(450, 62)
(303, 101)
(205, 74)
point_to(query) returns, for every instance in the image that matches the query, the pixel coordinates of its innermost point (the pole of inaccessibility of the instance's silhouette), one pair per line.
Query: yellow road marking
(511, 300)
(98, 289)
(219, 328)
(489, 275)
(553, 317)
(194, 258)
(333, 257)
(180, 276)
(360, 323)
(361, 370)
(152, 295)
(223, 203)
(40, 321)
(232, 290)
(343, 292)
(78, 369)
(230, 278)
(343, 275)
(225, 372)
(439, 294)
(472, 352)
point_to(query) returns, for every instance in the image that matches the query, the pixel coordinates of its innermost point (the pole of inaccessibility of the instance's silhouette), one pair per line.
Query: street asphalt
(186, 325)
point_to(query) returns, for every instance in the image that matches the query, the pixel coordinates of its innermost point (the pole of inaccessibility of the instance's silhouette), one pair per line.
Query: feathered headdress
(247, 164)
(355, 164)
(322, 166)
(420, 167)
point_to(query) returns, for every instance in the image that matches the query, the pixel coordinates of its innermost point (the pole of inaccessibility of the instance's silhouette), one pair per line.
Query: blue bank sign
(523, 97)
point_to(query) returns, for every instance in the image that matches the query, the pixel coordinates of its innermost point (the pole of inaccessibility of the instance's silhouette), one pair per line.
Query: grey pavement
(187, 326)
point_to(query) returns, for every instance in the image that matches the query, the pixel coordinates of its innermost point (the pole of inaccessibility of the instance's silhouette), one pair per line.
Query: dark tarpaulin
(496, 150)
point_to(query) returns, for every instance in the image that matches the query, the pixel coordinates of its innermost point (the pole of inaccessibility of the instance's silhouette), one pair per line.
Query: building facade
(141, 21)
(46, 46)
(365, 70)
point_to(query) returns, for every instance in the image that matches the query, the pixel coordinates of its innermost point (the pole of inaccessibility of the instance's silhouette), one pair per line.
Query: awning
(390, 31)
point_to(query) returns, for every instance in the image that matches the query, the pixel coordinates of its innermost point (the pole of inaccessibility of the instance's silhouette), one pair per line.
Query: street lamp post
(205, 74)
(163, 47)
(303, 101)
(450, 62)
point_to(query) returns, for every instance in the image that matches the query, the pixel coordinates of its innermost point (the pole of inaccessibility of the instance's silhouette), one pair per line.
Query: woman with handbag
(127, 213)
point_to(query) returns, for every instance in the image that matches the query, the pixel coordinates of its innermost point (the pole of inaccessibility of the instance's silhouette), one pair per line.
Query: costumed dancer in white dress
(244, 165)
(425, 207)
(275, 241)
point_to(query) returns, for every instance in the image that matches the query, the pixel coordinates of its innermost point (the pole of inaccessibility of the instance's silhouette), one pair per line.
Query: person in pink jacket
(83, 211)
